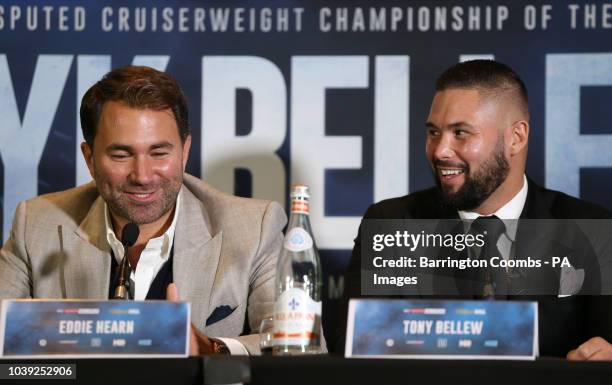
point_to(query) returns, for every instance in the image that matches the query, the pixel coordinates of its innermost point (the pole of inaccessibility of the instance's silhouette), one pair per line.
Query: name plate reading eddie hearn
(75, 328)
(431, 329)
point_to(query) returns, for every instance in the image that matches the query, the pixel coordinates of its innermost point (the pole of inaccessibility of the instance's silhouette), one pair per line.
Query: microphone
(129, 236)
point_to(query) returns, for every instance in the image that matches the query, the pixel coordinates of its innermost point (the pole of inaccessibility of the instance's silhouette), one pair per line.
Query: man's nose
(444, 147)
(142, 171)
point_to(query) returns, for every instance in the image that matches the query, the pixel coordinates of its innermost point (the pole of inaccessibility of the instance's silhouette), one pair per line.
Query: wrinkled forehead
(119, 122)
(452, 108)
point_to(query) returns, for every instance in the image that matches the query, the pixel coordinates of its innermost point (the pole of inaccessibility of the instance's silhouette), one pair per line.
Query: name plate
(75, 328)
(440, 329)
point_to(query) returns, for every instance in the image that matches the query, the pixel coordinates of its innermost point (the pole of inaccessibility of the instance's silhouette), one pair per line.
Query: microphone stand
(122, 290)
(129, 236)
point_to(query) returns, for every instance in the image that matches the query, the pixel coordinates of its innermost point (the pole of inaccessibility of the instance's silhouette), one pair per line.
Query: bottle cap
(300, 191)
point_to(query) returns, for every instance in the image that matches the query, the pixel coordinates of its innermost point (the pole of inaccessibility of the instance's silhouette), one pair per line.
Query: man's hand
(595, 349)
(199, 344)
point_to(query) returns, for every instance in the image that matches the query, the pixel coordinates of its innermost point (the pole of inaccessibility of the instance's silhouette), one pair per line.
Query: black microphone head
(129, 235)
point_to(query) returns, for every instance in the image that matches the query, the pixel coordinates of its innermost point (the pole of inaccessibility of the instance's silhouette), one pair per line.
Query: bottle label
(297, 319)
(298, 239)
(300, 206)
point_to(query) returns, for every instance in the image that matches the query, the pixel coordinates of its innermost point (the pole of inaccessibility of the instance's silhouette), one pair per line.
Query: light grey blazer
(225, 253)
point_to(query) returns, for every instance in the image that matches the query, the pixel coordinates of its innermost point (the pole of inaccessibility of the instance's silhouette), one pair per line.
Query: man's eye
(159, 154)
(460, 133)
(119, 156)
(433, 132)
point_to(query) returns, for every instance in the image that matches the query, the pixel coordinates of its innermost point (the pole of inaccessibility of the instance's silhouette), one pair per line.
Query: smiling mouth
(447, 172)
(140, 195)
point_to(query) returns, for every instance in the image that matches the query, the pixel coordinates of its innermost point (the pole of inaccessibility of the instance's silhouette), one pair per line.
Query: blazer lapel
(196, 256)
(431, 281)
(86, 272)
(532, 239)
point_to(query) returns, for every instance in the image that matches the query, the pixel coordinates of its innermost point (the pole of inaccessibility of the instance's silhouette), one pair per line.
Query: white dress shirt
(152, 258)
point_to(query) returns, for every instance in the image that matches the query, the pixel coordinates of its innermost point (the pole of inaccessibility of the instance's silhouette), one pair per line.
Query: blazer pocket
(220, 313)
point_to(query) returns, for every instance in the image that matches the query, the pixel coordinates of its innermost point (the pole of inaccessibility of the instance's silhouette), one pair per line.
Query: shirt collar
(508, 213)
(161, 244)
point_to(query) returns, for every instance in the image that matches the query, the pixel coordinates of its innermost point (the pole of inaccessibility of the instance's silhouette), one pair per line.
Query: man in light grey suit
(218, 251)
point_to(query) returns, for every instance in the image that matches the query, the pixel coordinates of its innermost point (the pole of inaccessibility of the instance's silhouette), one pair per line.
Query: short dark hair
(487, 76)
(137, 87)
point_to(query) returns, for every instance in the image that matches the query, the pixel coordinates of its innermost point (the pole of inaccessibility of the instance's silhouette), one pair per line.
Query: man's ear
(186, 148)
(88, 156)
(520, 137)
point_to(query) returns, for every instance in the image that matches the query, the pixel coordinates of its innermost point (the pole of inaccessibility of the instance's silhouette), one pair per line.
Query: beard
(478, 186)
(139, 213)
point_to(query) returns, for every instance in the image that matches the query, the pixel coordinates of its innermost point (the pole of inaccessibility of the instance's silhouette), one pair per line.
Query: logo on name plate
(442, 343)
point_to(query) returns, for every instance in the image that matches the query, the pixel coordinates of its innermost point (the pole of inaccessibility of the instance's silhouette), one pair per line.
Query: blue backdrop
(332, 94)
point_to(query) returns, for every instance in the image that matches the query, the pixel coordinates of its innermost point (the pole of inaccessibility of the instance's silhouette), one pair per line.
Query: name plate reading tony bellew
(75, 328)
(442, 329)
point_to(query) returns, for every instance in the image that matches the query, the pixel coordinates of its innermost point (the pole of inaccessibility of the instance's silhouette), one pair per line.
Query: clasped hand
(595, 349)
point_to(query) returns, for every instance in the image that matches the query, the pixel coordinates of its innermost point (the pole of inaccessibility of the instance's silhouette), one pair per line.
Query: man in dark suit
(477, 139)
